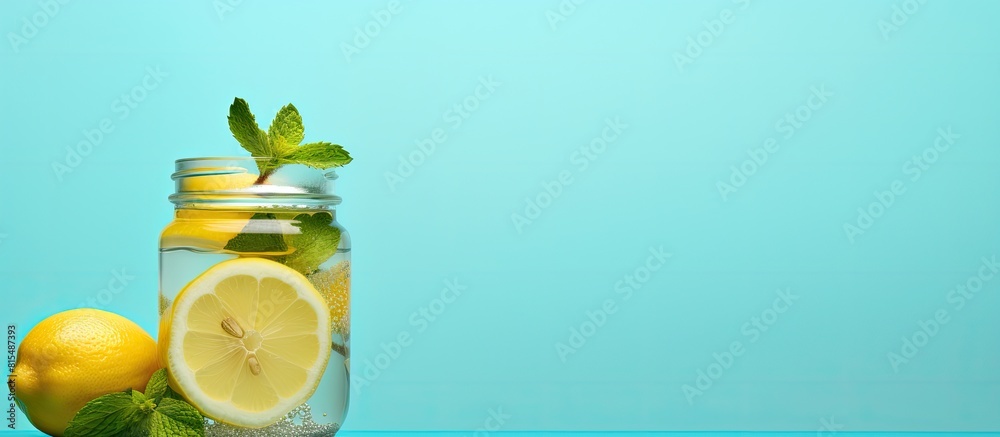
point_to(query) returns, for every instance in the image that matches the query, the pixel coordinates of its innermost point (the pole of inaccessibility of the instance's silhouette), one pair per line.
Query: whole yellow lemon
(75, 356)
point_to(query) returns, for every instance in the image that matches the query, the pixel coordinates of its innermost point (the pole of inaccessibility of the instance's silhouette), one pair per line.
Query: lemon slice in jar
(247, 341)
(208, 228)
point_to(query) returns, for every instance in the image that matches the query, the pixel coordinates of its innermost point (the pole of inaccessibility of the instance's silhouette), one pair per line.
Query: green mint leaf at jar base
(157, 387)
(140, 399)
(288, 125)
(317, 242)
(110, 414)
(262, 235)
(174, 418)
(134, 414)
(321, 155)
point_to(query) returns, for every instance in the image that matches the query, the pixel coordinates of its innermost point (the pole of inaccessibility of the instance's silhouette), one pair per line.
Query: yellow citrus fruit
(335, 286)
(247, 341)
(74, 357)
(208, 228)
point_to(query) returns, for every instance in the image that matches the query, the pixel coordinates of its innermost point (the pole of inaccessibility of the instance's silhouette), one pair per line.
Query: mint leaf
(316, 242)
(157, 387)
(244, 127)
(110, 414)
(280, 145)
(288, 125)
(261, 235)
(159, 412)
(138, 398)
(174, 418)
(321, 155)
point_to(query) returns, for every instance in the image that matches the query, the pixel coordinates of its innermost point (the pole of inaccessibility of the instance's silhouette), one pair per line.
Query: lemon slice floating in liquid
(208, 228)
(247, 341)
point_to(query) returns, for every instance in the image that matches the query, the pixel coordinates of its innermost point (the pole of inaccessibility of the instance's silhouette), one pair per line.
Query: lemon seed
(230, 326)
(254, 365)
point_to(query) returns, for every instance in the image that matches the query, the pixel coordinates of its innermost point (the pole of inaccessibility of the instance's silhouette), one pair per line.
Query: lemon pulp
(210, 228)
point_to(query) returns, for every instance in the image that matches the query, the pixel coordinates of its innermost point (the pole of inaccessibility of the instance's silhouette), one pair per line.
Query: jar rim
(222, 158)
(290, 185)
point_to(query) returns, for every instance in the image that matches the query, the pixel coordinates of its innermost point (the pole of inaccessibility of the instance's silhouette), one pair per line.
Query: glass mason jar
(248, 267)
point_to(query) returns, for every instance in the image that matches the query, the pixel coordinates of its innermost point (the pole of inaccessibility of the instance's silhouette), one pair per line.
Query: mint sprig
(159, 412)
(107, 415)
(282, 143)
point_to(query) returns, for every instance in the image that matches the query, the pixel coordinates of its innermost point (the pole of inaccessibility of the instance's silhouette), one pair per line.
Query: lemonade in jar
(255, 279)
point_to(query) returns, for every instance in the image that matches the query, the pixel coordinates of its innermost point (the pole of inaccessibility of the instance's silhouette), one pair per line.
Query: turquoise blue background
(824, 359)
